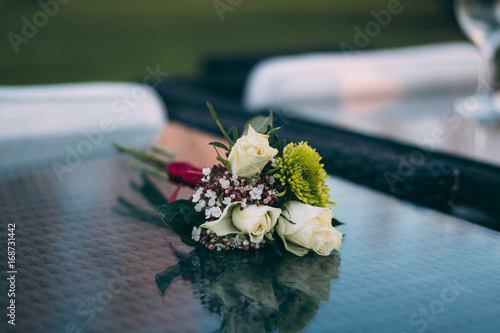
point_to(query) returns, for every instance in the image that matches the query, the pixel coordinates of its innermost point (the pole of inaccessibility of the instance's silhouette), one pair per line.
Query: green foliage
(336, 222)
(230, 143)
(234, 131)
(275, 142)
(144, 156)
(153, 162)
(164, 152)
(219, 145)
(260, 124)
(181, 217)
(146, 168)
(270, 240)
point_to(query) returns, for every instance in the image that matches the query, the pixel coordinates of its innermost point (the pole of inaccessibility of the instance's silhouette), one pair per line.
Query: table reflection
(256, 291)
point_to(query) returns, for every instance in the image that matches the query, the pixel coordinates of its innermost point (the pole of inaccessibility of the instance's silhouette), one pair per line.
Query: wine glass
(480, 21)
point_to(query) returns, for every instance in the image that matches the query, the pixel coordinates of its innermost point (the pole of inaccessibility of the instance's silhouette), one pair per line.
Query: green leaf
(164, 152)
(149, 169)
(260, 124)
(144, 156)
(336, 222)
(217, 121)
(281, 147)
(271, 130)
(181, 217)
(275, 142)
(286, 218)
(234, 129)
(223, 160)
(219, 145)
(270, 240)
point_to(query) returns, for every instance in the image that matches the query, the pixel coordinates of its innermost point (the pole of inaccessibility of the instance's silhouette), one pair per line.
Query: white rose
(254, 220)
(250, 154)
(303, 228)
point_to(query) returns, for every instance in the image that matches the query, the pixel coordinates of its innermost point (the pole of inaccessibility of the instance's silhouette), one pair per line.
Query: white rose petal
(311, 229)
(250, 154)
(256, 221)
(224, 224)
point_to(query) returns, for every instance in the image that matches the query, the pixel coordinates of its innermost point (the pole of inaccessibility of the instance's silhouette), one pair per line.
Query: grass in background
(117, 39)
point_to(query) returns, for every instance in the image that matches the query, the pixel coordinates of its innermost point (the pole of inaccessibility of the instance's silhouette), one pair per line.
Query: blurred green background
(91, 40)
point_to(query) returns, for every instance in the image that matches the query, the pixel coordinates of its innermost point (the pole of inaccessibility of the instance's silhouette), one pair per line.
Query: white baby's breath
(224, 183)
(200, 205)
(195, 234)
(219, 247)
(235, 180)
(256, 193)
(197, 195)
(216, 212)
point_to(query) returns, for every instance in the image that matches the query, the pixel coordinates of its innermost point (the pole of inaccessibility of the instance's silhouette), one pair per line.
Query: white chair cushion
(45, 123)
(315, 83)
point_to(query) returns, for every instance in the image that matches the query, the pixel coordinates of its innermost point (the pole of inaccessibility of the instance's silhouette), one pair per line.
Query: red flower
(182, 172)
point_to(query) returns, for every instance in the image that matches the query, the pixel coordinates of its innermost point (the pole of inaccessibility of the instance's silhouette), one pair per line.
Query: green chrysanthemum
(300, 172)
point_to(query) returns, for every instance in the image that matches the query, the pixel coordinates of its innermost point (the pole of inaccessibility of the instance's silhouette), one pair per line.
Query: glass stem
(485, 79)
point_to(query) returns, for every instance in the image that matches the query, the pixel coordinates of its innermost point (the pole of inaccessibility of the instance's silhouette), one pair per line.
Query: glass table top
(92, 257)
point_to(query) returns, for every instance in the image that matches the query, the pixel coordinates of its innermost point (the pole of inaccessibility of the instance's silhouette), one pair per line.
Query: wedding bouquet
(262, 190)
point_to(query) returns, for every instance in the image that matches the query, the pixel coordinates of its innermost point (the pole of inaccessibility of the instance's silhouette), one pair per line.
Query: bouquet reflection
(256, 291)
